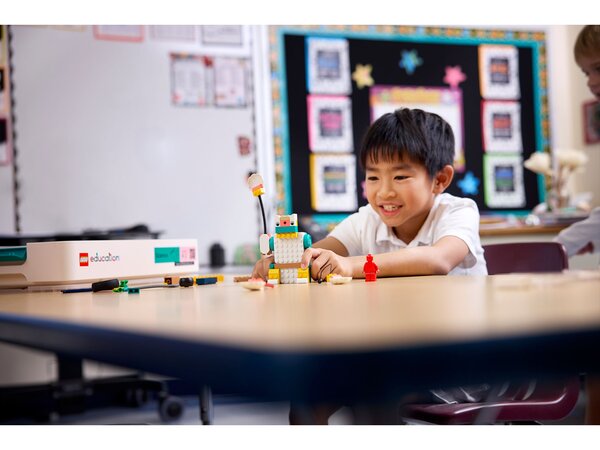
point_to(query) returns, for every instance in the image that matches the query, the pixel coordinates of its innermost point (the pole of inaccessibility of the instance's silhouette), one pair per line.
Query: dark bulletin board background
(384, 55)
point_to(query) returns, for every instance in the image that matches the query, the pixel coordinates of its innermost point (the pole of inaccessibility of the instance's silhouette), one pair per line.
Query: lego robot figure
(288, 245)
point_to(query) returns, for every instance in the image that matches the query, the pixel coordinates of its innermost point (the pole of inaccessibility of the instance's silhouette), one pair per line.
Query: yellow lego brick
(287, 235)
(273, 274)
(303, 273)
(218, 276)
(259, 190)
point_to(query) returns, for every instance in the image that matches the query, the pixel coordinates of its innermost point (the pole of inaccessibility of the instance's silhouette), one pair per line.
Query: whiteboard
(101, 146)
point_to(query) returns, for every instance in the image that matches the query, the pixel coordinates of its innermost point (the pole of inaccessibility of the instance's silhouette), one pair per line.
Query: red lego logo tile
(84, 260)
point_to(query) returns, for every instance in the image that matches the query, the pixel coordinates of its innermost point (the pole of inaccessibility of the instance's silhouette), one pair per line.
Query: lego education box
(77, 262)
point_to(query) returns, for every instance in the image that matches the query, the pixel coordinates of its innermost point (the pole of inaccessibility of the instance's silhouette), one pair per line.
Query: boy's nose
(387, 191)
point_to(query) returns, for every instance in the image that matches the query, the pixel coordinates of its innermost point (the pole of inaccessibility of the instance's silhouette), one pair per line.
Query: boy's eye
(400, 177)
(372, 178)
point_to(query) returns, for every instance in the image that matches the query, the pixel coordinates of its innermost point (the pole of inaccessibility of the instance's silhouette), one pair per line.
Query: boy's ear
(443, 179)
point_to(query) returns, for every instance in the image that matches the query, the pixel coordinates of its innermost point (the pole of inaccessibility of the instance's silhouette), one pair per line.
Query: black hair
(418, 135)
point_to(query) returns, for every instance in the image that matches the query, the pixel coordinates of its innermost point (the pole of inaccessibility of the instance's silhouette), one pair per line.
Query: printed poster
(333, 182)
(4, 142)
(591, 122)
(173, 33)
(191, 80)
(3, 91)
(328, 66)
(330, 123)
(3, 46)
(125, 33)
(225, 40)
(230, 35)
(445, 102)
(503, 181)
(499, 72)
(230, 82)
(502, 126)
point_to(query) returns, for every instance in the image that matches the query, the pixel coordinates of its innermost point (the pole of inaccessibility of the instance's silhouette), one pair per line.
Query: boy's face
(402, 193)
(590, 65)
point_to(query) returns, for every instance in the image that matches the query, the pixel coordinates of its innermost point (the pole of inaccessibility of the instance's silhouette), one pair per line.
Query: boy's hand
(261, 268)
(325, 262)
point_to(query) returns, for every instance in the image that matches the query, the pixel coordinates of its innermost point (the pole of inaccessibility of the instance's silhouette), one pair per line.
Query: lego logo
(84, 260)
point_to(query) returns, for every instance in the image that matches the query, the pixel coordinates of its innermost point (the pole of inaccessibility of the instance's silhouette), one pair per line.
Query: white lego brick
(289, 250)
(288, 276)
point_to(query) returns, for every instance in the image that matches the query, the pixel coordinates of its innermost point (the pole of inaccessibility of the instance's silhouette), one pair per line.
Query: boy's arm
(331, 243)
(438, 259)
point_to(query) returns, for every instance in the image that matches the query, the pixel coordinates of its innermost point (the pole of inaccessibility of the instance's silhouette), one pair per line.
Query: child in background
(584, 237)
(410, 225)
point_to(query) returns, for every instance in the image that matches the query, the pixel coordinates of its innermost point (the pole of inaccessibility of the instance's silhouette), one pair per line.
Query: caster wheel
(170, 408)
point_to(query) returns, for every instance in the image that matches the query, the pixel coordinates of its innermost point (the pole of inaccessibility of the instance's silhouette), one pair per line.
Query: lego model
(370, 269)
(287, 244)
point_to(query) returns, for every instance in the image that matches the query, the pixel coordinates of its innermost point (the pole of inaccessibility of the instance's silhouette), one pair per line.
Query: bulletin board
(330, 83)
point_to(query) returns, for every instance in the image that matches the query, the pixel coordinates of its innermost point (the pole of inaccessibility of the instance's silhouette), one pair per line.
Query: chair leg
(206, 406)
(377, 414)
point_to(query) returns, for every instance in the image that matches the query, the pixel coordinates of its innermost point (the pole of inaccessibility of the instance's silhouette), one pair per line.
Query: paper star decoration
(362, 75)
(410, 61)
(469, 185)
(454, 76)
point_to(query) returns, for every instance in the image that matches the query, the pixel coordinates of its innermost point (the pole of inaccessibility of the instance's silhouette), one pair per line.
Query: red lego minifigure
(370, 269)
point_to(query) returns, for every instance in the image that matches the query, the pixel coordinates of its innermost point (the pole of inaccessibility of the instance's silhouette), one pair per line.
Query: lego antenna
(255, 183)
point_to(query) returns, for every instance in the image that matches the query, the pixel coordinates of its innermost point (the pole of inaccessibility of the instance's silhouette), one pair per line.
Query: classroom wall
(100, 145)
(578, 93)
(214, 129)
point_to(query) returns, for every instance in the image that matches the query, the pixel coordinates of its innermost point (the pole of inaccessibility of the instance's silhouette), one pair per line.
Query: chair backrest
(523, 257)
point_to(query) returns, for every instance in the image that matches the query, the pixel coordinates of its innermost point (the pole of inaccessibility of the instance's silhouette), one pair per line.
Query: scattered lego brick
(207, 280)
(241, 278)
(171, 280)
(122, 286)
(187, 281)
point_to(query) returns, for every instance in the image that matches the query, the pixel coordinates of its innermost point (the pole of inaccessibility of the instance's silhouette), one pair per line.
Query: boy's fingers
(321, 266)
(309, 253)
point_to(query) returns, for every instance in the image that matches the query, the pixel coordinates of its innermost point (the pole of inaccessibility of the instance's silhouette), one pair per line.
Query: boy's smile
(402, 193)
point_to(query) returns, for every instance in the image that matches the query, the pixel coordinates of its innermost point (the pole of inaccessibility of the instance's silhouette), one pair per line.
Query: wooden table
(325, 342)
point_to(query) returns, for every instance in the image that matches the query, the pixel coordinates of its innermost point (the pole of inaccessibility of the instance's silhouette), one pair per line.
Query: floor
(232, 411)
(227, 411)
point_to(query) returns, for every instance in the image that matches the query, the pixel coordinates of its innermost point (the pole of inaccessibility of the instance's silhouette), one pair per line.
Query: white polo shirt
(577, 236)
(364, 232)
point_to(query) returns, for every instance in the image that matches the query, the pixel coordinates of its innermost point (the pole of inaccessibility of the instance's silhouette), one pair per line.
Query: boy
(410, 226)
(584, 237)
